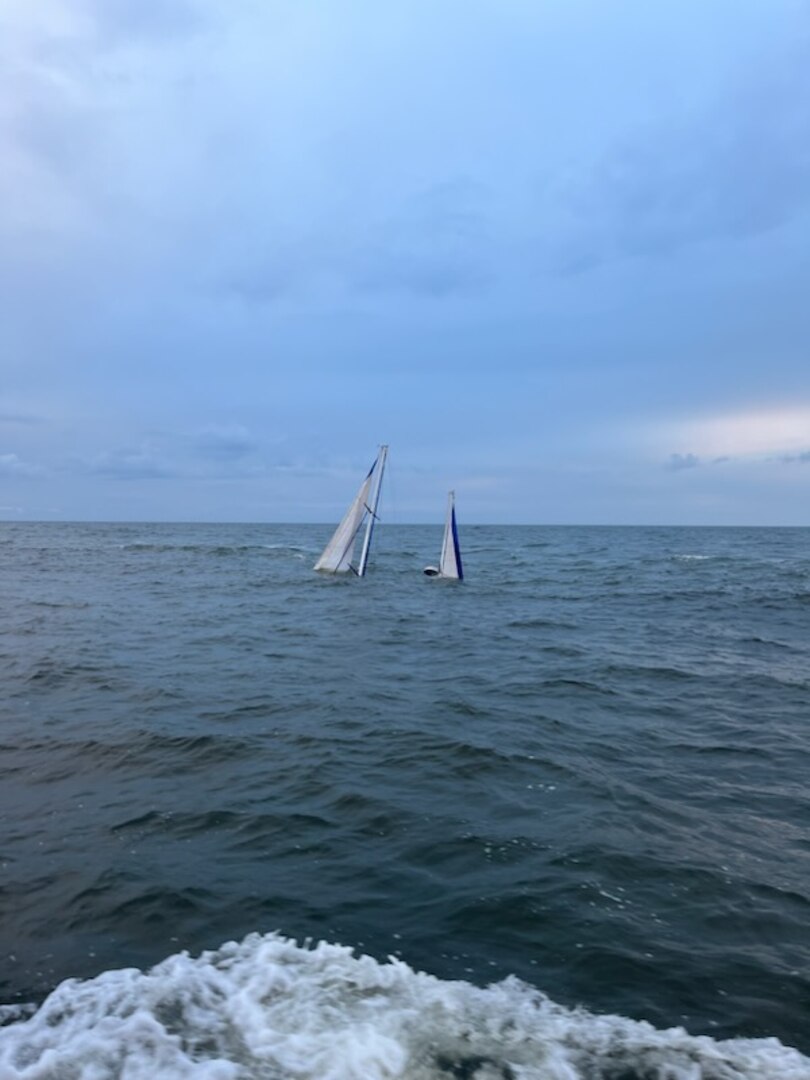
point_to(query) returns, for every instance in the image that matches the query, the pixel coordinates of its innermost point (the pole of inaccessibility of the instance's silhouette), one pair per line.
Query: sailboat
(338, 555)
(450, 560)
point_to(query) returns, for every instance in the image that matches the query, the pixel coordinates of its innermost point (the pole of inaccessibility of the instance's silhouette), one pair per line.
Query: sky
(555, 253)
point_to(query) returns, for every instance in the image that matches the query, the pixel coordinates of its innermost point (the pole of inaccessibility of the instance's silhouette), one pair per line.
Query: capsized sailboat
(338, 555)
(450, 562)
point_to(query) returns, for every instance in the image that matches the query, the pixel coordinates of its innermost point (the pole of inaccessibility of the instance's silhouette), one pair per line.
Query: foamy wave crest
(269, 1008)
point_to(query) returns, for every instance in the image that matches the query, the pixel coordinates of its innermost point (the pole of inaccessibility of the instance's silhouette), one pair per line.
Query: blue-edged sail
(450, 565)
(338, 555)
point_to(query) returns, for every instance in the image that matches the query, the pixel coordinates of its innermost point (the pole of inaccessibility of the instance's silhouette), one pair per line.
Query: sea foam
(269, 1008)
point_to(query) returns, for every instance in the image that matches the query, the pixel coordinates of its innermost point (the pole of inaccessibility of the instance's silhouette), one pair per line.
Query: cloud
(52, 135)
(23, 419)
(119, 21)
(225, 443)
(127, 464)
(12, 465)
(91, 92)
(268, 275)
(764, 432)
(435, 243)
(734, 170)
(374, 199)
(683, 461)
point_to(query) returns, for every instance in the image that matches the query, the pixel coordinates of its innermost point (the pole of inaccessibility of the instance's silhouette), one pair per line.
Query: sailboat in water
(450, 561)
(338, 555)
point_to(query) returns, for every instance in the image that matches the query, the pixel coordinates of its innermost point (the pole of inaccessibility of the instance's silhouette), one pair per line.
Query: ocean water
(553, 822)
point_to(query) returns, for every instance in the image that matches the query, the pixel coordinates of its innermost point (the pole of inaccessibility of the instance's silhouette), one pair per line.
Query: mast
(372, 511)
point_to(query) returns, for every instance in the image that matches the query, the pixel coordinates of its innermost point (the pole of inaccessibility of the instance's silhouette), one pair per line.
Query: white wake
(268, 1008)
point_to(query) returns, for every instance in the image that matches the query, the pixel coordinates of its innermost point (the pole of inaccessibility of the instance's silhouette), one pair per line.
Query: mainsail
(339, 552)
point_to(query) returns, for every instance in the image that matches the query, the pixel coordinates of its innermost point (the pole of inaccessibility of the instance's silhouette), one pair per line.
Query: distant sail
(450, 565)
(338, 555)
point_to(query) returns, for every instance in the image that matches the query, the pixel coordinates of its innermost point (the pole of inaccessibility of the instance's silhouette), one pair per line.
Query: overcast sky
(555, 252)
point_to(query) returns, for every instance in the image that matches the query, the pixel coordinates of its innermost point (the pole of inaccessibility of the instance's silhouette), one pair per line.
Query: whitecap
(269, 1008)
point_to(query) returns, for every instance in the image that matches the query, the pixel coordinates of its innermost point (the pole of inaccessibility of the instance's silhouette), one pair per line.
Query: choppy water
(583, 771)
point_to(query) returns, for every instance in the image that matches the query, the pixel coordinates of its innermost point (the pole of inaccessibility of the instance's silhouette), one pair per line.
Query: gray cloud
(63, 140)
(12, 465)
(126, 464)
(434, 244)
(683, 461)
(271, 274)
(303, 161)
(155, 20)
(73, 88)
(738, 169)
(24, 419)
(225, 451)
(225, 443)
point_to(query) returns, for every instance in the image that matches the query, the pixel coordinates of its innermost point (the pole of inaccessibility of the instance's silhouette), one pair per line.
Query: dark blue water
(586, 766)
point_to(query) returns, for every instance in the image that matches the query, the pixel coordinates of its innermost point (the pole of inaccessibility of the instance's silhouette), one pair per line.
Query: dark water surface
(588, 766)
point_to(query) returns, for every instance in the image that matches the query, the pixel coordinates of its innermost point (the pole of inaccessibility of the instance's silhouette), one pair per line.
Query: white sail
(338, 554)
(450, 560)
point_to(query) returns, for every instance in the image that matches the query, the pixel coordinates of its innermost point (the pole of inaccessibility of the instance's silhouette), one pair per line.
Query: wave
(267, 1007)
(215, 549)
